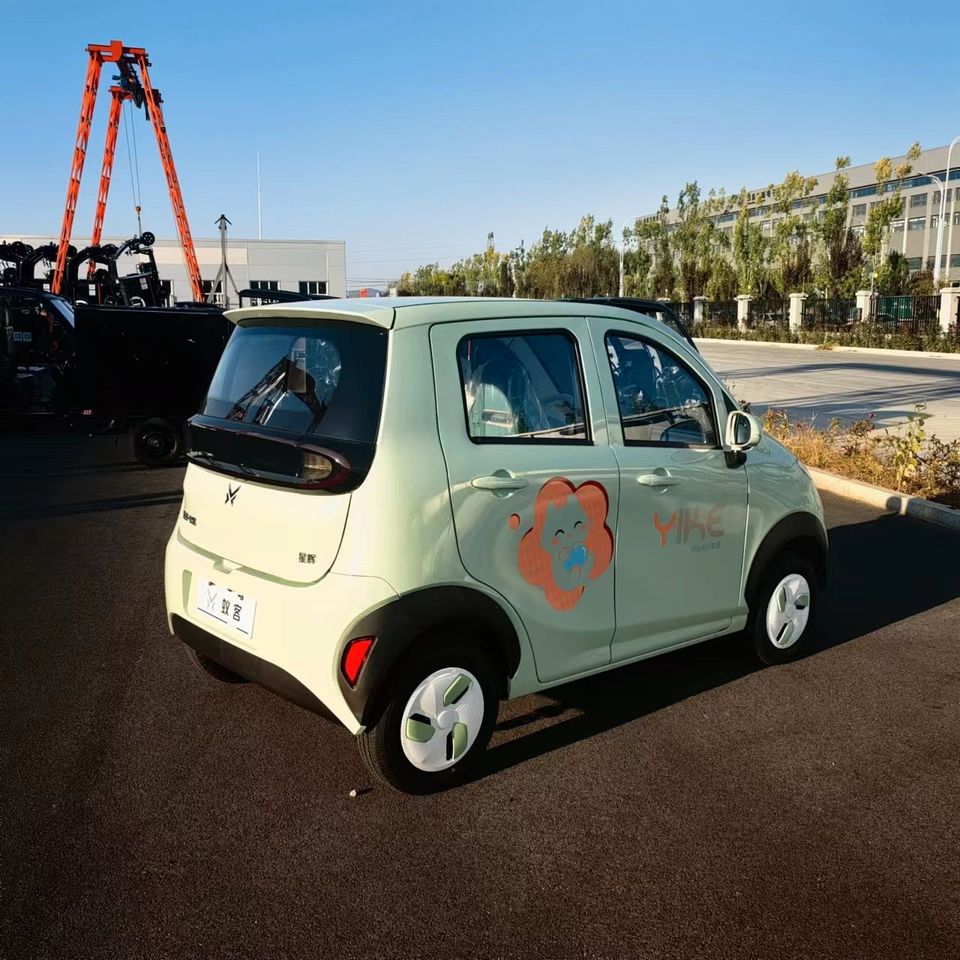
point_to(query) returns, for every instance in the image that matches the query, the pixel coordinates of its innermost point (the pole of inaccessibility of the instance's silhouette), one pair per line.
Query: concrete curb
(875, 351)
(890, 500)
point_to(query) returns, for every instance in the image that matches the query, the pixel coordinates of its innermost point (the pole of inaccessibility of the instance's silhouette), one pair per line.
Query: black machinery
(103, 283)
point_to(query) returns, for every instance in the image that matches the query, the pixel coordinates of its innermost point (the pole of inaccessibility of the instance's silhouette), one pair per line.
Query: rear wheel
(157, 442)
(438, 720)
(214, 669)
(783, 615)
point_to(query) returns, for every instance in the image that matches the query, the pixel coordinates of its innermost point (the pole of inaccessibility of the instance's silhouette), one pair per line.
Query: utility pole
(259, 212)
(223, 273)
(953, 207)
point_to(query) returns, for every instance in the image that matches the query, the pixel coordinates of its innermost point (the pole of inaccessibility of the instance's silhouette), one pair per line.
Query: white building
(305, 266)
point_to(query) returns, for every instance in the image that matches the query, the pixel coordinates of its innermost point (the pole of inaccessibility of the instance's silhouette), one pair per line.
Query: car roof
(398, 312)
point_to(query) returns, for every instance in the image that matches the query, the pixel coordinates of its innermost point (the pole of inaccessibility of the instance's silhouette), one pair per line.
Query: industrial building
(304, 266)
(914, 234)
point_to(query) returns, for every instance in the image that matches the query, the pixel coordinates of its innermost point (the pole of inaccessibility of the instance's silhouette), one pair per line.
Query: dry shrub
(907, 461)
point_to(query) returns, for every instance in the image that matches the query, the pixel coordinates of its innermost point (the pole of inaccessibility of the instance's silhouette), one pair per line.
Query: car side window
(661, 400)
(522, 387)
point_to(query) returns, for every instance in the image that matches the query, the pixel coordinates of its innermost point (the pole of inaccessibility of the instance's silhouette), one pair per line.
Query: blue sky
(412, 129)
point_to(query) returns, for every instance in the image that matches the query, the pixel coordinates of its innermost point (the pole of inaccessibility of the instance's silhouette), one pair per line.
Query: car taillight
(323, 470)
(354, 657)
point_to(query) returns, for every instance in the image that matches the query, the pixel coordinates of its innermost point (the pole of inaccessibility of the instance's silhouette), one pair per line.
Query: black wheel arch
(400, 624)
(803, 532)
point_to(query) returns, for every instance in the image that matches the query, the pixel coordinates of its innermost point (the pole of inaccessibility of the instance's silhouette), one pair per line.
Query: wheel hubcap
(788, 611)
(442, 719)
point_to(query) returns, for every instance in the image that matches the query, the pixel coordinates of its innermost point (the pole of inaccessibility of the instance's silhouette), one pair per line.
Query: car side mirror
(743, 431)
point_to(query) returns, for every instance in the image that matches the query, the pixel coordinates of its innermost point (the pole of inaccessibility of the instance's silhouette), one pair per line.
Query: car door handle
(657, 480)
(500, 482)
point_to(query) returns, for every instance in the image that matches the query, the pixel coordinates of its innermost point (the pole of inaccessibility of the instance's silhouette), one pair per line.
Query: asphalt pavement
(818, 385)
(690, 806)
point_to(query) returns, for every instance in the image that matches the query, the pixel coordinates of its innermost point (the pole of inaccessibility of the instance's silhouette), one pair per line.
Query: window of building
(767, 225)
(661, 401)
(264, 284)
(897, 226)
(857, 229)
(956, 218)
(955, 259)
(207, 286)
(859, 209)
(936, 197)
(913, 263)
(522, 387)
(312, 287)
(864, 191)
(934, 221)
(916, 223)
(918, 200)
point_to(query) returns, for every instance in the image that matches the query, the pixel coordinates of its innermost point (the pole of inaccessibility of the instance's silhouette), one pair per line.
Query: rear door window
(522, 387)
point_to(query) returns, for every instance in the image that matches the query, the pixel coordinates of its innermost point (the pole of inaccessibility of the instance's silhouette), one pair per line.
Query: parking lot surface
(693, 805)
(820, 384)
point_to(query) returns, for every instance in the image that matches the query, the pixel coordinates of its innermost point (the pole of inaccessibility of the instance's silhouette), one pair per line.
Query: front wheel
(438, 720)
(783, 615)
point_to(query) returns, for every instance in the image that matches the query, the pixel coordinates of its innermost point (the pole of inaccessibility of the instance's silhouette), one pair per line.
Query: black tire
(787, 564)
(157, 442)
(380, 744)
(214, 669)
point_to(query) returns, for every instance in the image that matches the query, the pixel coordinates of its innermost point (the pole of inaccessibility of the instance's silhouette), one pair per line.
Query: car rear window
(318, 378)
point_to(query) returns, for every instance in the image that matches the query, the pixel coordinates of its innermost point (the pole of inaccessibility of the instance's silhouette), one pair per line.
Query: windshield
(324, 378)
(62, 306)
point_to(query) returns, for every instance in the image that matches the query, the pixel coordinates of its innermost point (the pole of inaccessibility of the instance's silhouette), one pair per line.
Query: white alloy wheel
(441, 720)
(788, 611)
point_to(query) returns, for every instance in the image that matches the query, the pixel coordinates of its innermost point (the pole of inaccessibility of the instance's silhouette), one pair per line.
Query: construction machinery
(132, 84)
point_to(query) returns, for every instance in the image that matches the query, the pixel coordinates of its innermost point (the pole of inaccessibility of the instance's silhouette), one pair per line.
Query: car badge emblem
(231, 493)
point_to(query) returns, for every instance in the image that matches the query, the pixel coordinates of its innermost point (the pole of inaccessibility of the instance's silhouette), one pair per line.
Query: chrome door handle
(657, 480)
(499, 482)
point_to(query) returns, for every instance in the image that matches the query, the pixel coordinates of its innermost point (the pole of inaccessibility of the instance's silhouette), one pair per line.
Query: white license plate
(232, 609)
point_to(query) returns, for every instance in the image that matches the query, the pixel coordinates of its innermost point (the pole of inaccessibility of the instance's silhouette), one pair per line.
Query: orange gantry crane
(133, 83)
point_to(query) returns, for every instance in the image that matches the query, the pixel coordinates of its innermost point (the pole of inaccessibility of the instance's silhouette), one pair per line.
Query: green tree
(696, 240)
(839, 263)
(751, 253)
(722, 283)
(662, 275)
(889, 206)
(893, 275)
(791, 252)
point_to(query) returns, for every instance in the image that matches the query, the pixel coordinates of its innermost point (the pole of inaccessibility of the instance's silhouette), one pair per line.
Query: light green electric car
(400, 512)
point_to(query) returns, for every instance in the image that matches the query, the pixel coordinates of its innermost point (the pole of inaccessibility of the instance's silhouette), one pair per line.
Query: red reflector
(354, 658)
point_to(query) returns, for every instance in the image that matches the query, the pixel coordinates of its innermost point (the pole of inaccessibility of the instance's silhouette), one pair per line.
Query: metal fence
(720, 313)
(913, 315)
(768, 312)
(829, 313)
(684, 310)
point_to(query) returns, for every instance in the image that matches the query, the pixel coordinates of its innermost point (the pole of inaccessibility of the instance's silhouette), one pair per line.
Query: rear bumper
(248, 666)
(298, 632)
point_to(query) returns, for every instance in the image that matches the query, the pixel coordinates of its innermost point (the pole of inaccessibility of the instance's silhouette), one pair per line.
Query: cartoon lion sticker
(569, 543)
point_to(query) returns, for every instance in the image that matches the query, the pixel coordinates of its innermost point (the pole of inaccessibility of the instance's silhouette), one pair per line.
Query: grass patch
(908, 461)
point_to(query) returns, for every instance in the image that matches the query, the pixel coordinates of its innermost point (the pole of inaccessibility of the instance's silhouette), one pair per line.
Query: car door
(533, 480)
(683, 501)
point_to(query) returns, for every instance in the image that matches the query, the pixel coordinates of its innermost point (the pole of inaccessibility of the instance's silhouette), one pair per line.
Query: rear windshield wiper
(269, 381)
